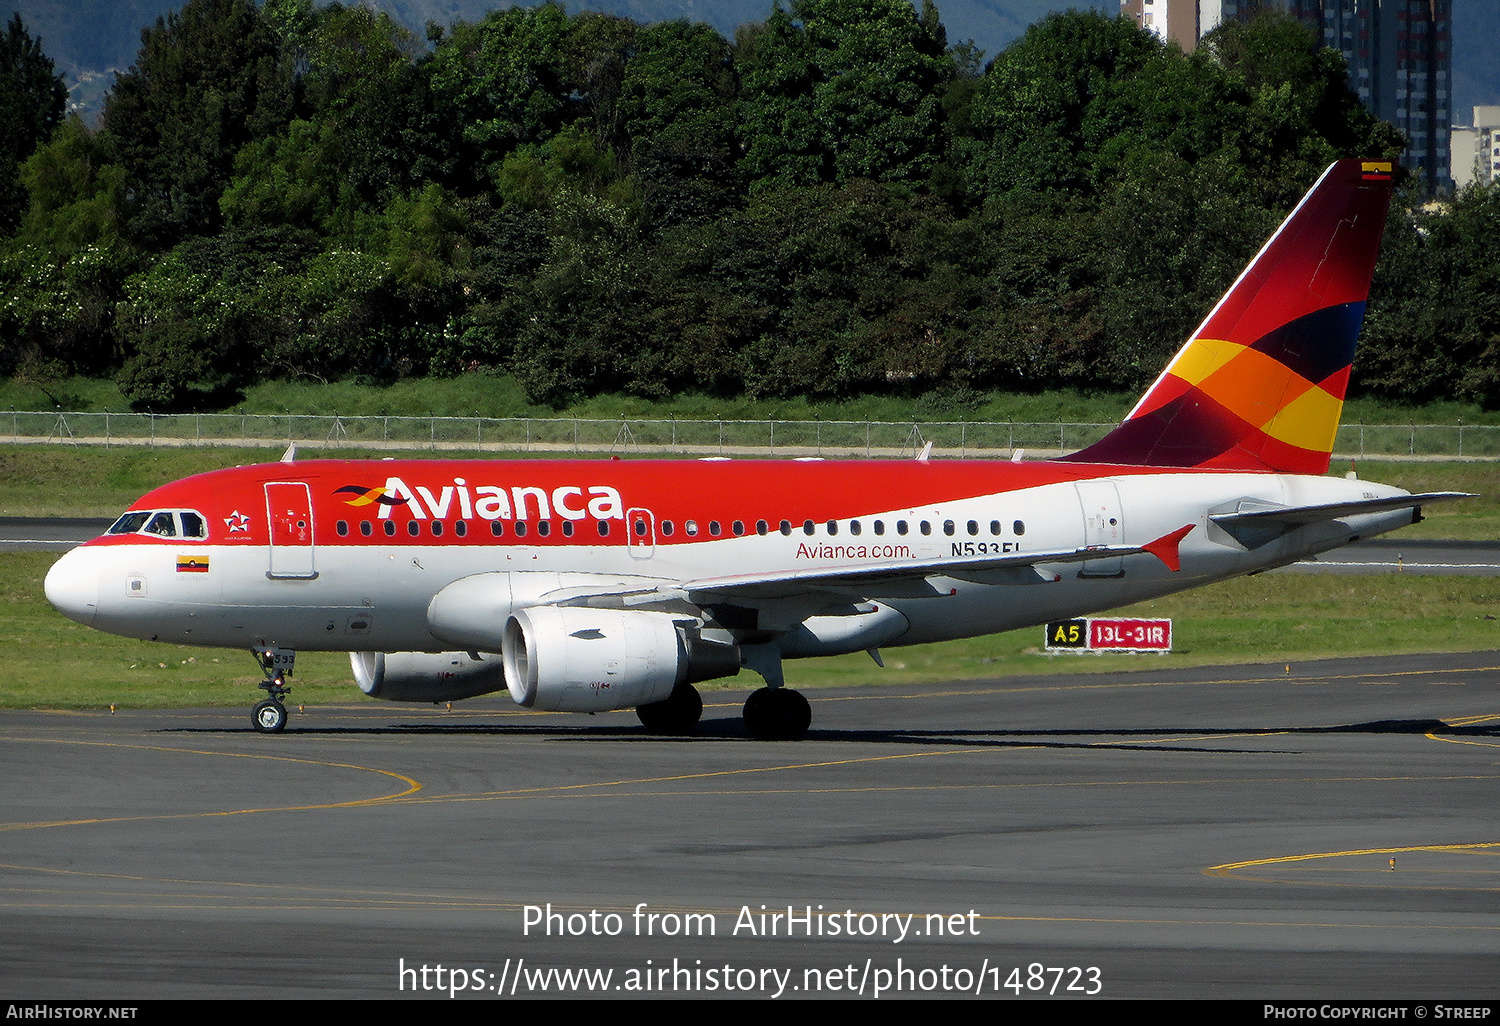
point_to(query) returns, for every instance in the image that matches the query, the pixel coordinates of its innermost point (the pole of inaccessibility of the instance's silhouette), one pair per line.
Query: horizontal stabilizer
(1295, 516)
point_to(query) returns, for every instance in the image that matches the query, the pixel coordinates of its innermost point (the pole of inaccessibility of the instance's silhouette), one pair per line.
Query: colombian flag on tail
(1260, 385)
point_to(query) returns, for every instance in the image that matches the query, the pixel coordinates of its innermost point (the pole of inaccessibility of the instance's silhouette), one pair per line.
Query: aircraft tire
(678, 713)
(269, 716)
(777, 714)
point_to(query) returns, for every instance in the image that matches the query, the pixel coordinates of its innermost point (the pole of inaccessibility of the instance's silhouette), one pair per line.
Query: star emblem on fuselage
(237, 521)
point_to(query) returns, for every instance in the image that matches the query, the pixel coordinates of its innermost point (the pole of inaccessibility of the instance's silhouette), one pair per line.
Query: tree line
(837, 201)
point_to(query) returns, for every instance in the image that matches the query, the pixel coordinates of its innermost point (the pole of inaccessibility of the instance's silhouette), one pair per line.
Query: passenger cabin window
(667, 528)
(461, 528)
(880, 527)
(713, 528)
(739, 528)
(390, 529)
(437, 528)
(366, 528)
(544, 527)
(342, 527)
(691, 527)
(604, 529)
(901, 527)
(567, 528)
(854, 527)
(1019, 527)
(496, 528)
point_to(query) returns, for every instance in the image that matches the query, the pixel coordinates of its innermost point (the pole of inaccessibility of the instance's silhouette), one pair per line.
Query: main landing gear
(777, 714)
(269, 714)
(678, 713)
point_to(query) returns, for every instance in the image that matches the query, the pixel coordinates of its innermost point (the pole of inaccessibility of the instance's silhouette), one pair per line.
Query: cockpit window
(162, 524)
(129, 523)
(182, 523)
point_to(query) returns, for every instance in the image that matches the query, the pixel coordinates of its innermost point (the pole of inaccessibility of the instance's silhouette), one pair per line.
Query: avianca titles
(595, 585)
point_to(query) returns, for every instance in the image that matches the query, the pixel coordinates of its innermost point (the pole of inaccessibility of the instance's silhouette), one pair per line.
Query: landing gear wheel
(777, 714)
(678, 713)
(269, 716)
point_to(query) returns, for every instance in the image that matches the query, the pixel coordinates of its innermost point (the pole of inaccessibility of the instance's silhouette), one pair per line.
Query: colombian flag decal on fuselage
(192, 564)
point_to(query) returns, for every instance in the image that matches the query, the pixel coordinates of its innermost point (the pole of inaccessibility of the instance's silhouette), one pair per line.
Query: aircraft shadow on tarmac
(731, 729)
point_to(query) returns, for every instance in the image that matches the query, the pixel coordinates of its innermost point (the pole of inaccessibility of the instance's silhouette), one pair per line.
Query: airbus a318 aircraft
(596, 585)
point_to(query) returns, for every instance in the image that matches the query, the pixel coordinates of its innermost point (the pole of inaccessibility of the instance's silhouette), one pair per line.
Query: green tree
(1302, 115)
(1051, 102)
(32, 100)
(207, 80)
(63, 270)
(678, 114)
(1432, 329)
(836, 90)
(502, 83)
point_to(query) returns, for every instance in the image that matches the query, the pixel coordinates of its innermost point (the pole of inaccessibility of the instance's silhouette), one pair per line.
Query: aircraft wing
(1295, 516)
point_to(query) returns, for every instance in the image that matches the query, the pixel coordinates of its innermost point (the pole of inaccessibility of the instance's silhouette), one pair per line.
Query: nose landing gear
(269, 715)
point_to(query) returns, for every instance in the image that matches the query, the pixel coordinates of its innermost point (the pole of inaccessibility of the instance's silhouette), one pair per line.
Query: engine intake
(577, 659)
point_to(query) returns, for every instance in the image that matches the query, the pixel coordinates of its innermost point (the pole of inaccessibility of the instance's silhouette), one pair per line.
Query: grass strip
(58, 664)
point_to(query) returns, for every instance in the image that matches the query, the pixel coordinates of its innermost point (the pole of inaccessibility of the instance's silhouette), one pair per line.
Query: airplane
(598, 585)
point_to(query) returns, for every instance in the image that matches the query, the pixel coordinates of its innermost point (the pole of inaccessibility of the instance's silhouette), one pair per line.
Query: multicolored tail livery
(1260, 385)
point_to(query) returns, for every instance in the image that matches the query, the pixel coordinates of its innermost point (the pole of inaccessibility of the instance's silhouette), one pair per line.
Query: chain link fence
(650, 437)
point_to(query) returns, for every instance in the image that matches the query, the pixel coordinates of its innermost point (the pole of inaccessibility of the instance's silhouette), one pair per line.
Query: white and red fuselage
(299, 555)
(590, 585)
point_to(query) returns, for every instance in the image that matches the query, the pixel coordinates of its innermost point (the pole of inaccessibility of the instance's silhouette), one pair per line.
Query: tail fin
(1260, 385)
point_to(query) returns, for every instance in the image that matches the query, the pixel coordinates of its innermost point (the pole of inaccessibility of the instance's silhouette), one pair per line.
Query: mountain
(92, 39)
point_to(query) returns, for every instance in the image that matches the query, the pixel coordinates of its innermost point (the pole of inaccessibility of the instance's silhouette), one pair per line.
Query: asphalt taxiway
(1218, 832)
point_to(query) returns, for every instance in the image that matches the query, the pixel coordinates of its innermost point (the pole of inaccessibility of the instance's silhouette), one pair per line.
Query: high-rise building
(1476, 149)
(1401, 65)
(1186, 21)
(1399, 53)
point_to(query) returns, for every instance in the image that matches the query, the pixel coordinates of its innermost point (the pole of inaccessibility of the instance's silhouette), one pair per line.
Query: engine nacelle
(577, 659)
(426, 676)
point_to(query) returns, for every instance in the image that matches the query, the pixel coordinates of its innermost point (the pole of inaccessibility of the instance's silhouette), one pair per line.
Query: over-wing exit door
(289, 514)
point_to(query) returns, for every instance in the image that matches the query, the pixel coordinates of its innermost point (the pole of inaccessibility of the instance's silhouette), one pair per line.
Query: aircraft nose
(72, 586)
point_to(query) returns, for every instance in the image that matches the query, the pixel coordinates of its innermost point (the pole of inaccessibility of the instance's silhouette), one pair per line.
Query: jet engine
(426, 676)
(579, 659)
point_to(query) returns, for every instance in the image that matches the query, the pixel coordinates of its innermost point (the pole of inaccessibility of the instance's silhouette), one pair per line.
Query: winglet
(1165, 547)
